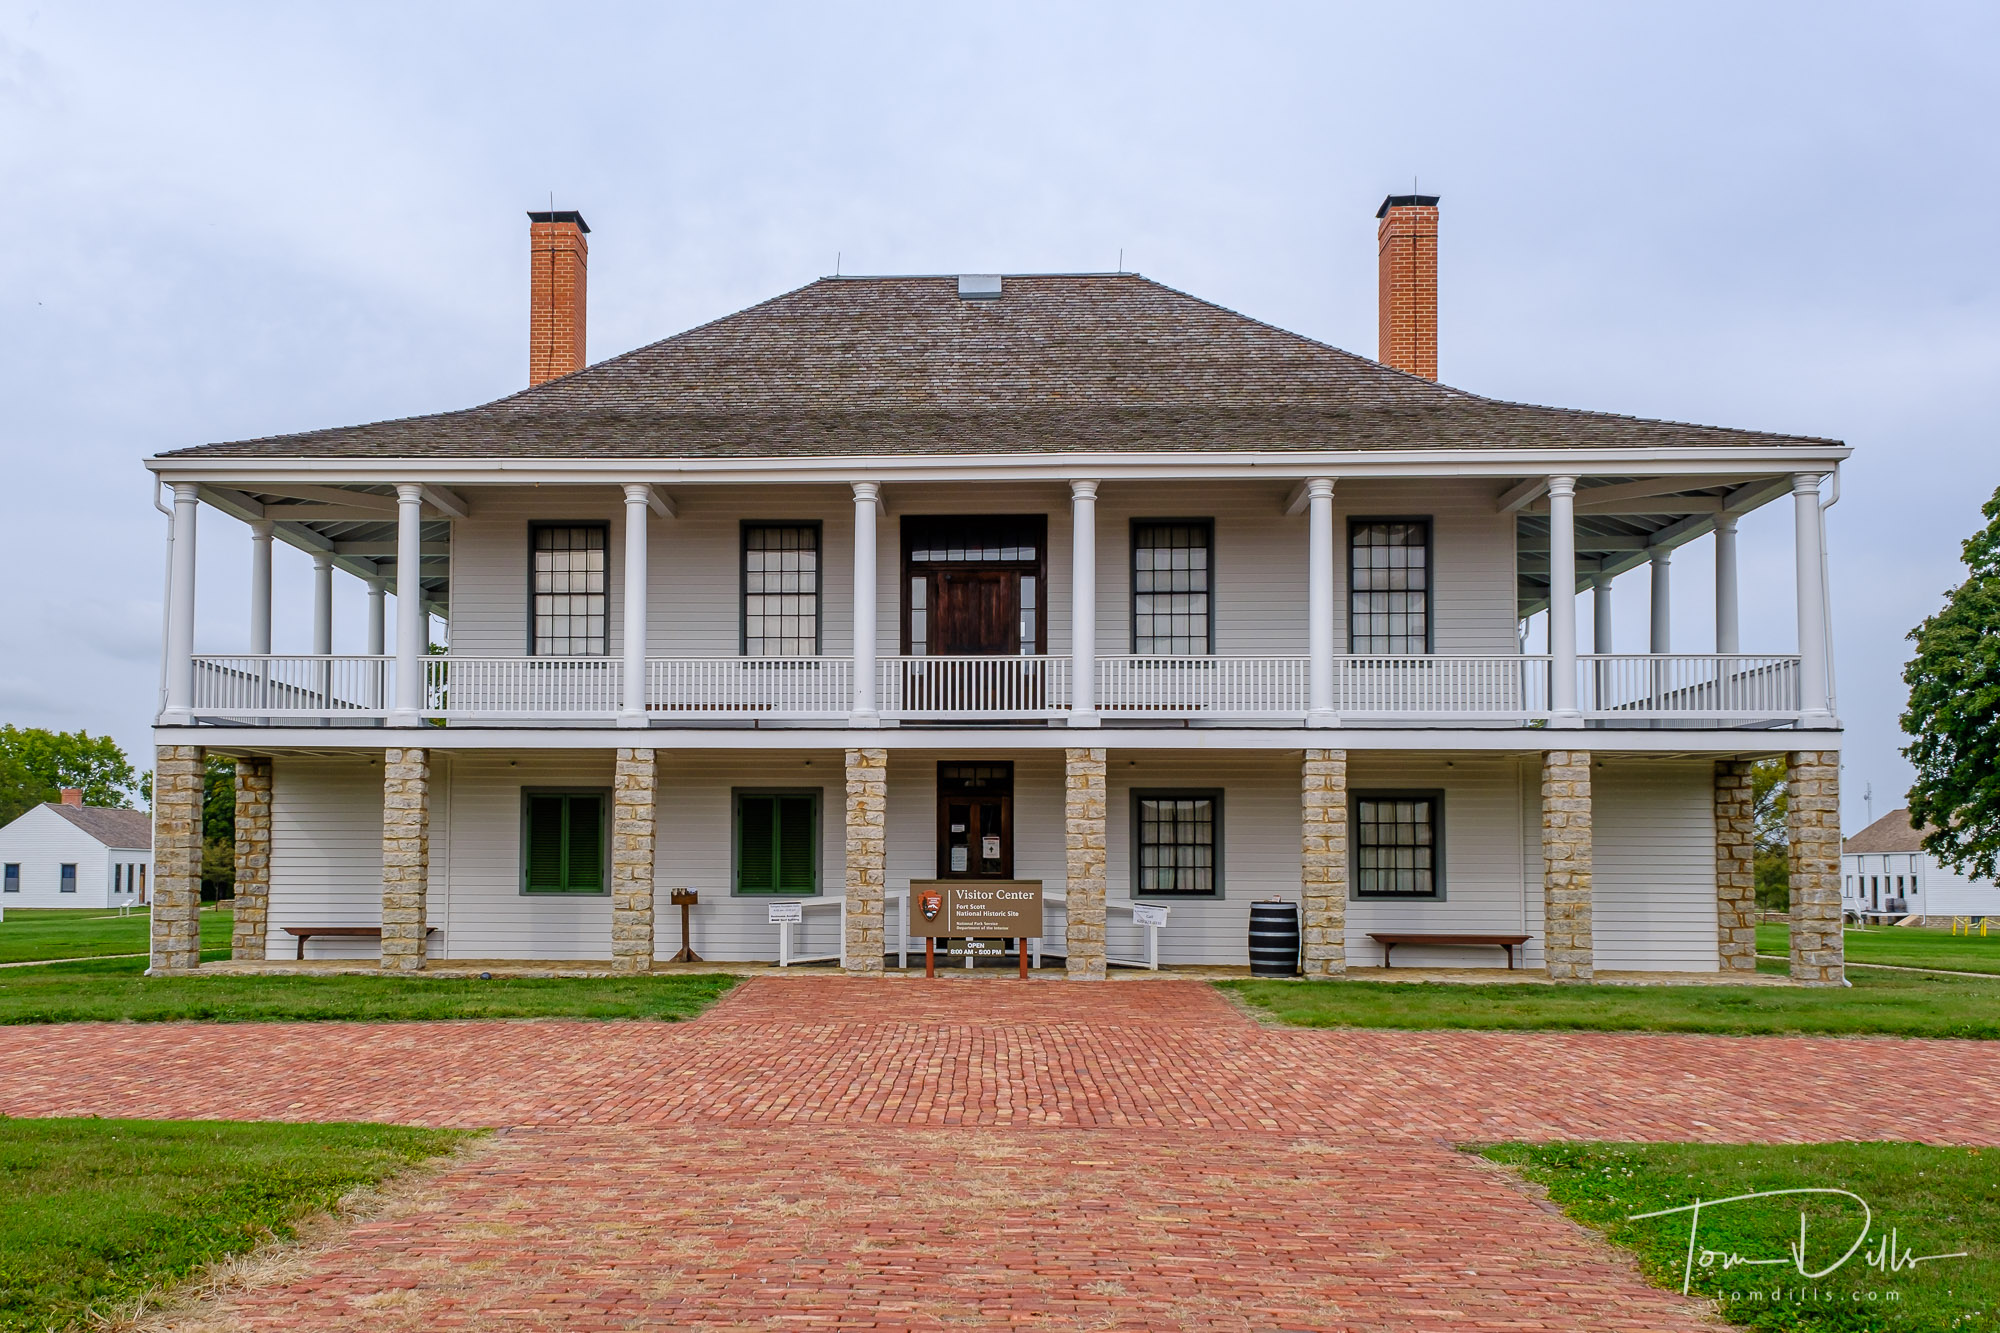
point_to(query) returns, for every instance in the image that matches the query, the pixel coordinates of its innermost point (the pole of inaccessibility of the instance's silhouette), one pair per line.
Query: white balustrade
(790, 687)
(1681, 685)
(522, 687)
(291, 685)
(1513, 686)
(972, 687)
(1203, 686)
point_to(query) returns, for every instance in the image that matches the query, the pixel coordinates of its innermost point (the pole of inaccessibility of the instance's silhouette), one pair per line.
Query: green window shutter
(545, 844)
(756, 845)
(795, 844)
(584, 844)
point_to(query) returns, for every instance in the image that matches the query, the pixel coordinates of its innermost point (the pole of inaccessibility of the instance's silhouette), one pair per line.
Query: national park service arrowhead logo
(930, 902)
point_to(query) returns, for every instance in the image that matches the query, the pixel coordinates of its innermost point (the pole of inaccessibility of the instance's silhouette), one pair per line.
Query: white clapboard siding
(41, 842)
(326, 852)
(1653, 865)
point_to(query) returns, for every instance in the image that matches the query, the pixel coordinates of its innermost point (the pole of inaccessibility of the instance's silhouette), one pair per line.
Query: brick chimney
(1407, 244)
(73, 796)
(559, 265)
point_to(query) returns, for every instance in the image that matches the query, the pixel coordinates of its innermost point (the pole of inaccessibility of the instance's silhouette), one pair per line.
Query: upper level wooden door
(978, 613)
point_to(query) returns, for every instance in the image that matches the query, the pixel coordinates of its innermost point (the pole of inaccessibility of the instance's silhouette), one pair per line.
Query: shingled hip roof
(1103, 363)
(114, 827)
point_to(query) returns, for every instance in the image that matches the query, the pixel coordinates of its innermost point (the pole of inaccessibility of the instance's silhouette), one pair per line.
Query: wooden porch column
(632, 705)
(1563, 710)
(412, 626)
(1083, 604)
(406, 857)
(1084, 855)
(1324, 855)
(1815, 707)
(178, 771)
(1567, 950)
(253, 858)
(179, 709)
(632, 832)
(1322, 703)
(867, 860)
(1812, 804)
(1735, 867)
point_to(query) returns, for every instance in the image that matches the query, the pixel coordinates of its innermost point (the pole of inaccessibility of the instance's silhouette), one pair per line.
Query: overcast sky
(236, 221)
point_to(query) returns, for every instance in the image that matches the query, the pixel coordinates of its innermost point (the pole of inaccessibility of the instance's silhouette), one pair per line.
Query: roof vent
(979, 286)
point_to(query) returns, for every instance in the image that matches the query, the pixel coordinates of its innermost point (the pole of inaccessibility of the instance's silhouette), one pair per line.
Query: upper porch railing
(1612, 690)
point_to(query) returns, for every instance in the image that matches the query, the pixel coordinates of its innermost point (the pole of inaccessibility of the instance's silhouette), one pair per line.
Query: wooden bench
(1389, 940)
(304, 933)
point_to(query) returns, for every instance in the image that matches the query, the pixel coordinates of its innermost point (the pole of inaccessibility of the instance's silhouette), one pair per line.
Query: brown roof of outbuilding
(1058, 364)
(1893, 832)
(112, 827)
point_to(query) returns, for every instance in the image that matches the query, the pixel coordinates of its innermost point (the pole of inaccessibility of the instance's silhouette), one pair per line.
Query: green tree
(1954, 716)
(1768, 809)
(218, 829)
(35, 765)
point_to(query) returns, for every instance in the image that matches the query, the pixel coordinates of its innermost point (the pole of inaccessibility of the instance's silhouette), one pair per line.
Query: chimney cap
(561, 215)
(1406, 201)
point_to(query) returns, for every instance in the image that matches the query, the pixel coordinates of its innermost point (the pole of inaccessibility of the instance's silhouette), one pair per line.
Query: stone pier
(178, 772)
(867, 860)
(1812, 803)
(406, 857)
(253, 859)
(1567, 950)
(632, 817)
(1323, 853)
(1735, 867)
(1084, 856)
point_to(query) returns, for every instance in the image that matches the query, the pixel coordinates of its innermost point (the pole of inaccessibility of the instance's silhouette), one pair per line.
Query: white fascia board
(1173, 466)
(1511, 740)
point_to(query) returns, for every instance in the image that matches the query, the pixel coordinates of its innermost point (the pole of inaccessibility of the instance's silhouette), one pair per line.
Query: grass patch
(1938, 1200)
(31, 933)
(1902, 946)
(117, 990)
(100, 1212)
(1879, 1003)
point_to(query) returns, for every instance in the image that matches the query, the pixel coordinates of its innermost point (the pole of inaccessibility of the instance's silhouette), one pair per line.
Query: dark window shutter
(795, 844)
(545, 844)
(586, 845)
(756, 859)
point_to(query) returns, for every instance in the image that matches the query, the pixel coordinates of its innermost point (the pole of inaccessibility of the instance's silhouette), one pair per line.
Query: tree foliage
(1954, 716)
(35, 765)
(1768, 808)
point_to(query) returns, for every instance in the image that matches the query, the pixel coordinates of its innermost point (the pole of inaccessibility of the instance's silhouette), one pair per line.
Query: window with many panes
(777, 842)
(781, 589)
(1177, 843)
(1389, 587)
(568, 581)
(563, 841)
(1172, 578)
(1398, 845)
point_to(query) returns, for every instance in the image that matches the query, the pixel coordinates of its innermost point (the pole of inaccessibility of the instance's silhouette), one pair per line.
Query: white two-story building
(1070, 578)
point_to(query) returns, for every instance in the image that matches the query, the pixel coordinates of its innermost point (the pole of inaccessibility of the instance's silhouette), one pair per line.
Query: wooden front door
(975, 821)
(978, 613)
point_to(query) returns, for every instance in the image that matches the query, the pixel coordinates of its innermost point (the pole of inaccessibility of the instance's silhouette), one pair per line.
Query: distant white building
(1885, 869)
(76, 855)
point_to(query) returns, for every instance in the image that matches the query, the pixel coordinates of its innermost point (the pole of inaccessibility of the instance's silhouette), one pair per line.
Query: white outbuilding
(69, 854)
(1885, 871)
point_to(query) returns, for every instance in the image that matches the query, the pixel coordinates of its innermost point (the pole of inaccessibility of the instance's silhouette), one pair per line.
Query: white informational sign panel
(781, 913)
(1148, 914)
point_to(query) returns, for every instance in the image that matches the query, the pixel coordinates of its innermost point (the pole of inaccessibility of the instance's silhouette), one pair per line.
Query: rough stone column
(632, 861)
(1812, 802)
(1084, 841)
(1566, 945)
(253, 859)
(1735, 868)
(406, 857)
(1324, 852)
(177, 799)
(867, 859)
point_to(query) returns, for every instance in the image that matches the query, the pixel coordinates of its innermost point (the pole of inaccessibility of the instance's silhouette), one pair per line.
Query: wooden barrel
(1274, 939)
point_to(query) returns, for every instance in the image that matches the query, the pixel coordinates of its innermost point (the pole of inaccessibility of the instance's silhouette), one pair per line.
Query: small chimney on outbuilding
(73, 796)
(559, 263)
(1407, 252)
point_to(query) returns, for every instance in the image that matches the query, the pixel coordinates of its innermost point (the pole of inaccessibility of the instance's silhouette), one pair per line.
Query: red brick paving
(831, 1153)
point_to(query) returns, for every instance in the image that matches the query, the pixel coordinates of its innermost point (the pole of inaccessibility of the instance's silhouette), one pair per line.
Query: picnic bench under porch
(1597, 894)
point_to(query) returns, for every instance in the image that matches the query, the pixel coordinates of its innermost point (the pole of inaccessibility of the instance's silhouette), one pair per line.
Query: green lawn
(30, 933)
(117, 989)
(1936, 1200)
(99, 1212)
(1904, 946)
(1891, 1003)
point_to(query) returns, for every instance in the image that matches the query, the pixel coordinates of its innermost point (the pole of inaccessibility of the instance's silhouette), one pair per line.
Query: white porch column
(1083, 604)
(1726, 617)
(260, 585)
(1662, 639)
(412, 634)
(1600, 613)
(867, 496)
(1562, 603)
(180, 610)
(378, 636)
(1812, 601)
(632, 709)
(322, 639)
(1322, 710)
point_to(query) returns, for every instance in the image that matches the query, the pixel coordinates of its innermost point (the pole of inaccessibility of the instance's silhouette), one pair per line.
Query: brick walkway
(825, 1153)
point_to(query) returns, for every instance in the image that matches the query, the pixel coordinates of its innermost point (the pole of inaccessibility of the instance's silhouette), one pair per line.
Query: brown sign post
(1008, 909)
